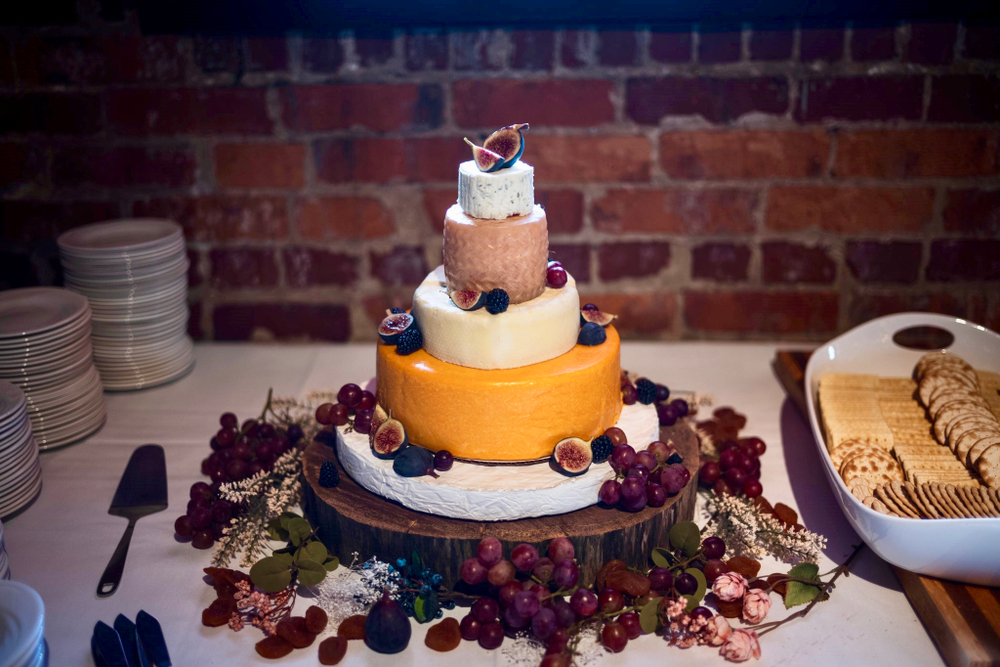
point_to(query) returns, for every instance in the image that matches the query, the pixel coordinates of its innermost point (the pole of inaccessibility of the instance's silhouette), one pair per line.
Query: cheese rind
(496, 195)
(482, 254)
(516, 414)
(528, 333)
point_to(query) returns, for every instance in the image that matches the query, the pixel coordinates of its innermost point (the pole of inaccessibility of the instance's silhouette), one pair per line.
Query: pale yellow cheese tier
(515, 414)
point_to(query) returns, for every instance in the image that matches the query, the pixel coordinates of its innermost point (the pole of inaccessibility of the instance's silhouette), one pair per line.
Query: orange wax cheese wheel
(511, 254)
(516, 414)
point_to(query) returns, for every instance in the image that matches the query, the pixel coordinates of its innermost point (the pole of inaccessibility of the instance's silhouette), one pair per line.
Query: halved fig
(379, 417)
(507, 142)
(596, 316)
(393, 325)
(468, 299)
(572, 456)
(485, 159)
(390, 439)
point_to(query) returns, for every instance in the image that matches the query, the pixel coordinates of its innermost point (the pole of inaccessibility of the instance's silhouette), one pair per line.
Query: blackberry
(396, 311)
(601, 446)
(410, 341)
(497, 301)
(647, 391)
(328, 475)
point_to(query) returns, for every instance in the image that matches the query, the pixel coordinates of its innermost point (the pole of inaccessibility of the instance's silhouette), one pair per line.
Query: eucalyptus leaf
(797, 592)
(310, 572)
(692, 603)
(284, 558)
(270, 574)
(298, 530)
(662, 557)
(649, 616)
(315, 551)
(277, 533)
(699, 576)
(331, 564)
(686, 536)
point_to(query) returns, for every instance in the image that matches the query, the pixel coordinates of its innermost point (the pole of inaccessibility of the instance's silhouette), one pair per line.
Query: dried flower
(756, 604)
(740, 645)
(748, 532)
(722, 630)
(729, 586)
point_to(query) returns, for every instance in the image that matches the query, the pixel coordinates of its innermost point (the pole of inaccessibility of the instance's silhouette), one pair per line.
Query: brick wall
(703, 182)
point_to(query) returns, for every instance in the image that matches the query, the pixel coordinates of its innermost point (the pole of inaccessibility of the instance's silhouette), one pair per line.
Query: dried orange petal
(352, 627)
(273, 647)
(444, 636)
(316, 619)
(332, 650)
(748, 567)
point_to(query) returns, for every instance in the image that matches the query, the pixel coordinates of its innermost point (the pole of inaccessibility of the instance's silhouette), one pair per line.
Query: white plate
(960, 549)
(31, 310)
(151, 380)
(45, 343)
(24, 498)
(118, 257)
(123, 264)
(33, 359)
(55, 396)
(22, 621)
(29, 381)
(133, 235)
(11, 400)
(48, 443)
(141, 278)
(52, 366)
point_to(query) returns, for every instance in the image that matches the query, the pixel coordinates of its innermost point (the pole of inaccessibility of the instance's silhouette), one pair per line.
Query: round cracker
(954, 411)
(971, 501)
(932, 383)
(876, 469)
(988, 466)
(897, 491)
(929, 507)
(933, 360)
(971, 436)
(984, 495)
(860, 487)
(978, 449)
(941, 502)
(948, 398)
(970, 423)
(956, 499)
(848, 447)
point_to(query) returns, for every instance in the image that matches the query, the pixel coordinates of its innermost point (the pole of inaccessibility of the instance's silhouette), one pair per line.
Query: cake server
(141, 491)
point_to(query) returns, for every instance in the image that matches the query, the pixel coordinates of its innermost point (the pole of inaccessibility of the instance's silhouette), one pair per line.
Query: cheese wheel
(482, 255)
(515, 414)
(528, 333)
(496, 195)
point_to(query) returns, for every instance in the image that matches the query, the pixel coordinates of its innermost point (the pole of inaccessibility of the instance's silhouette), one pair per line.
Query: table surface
(61, 544)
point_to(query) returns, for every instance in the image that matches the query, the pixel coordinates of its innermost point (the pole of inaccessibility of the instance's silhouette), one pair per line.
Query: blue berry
(328, 475)
(436, 580)
(409, 341)
(425, 590)
(401, 563)
(647, 391)
(592, 334)
(601, 447)
(497, 301)
(396, 311)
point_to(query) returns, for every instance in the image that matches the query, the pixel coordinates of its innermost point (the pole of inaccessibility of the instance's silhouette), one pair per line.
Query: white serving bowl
(966, 550)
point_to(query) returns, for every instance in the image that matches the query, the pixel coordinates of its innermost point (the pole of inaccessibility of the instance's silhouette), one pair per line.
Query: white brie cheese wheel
(491, 492)
(496, 195)
(528, 333)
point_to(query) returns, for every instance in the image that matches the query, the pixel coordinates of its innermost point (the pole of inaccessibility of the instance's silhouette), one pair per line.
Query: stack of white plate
(45, 350)
(134, 273)
(22, 626)
(4, 561)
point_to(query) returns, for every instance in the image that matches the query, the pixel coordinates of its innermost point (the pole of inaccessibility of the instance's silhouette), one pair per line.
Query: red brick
(761, 312)
(266, 54)
(916, 153)
(214, 54)
(221, 217)
(865, 307)
(243, 267)
(726, 262)
(477, 50)
(888, 262)
(637, 259)
(964, 259)
(124, 167)
(533, 49)
(849, 210)
(771, 43)
(306, 266)
(716, 100)
(403, 265)
(603, 158)
(973, 211)
(873, 43)
(377, 160)
(51, 113)
(982, 42)
(194, 268)
(676, 211)
(646, 315)
(796, 263)
(618, 48)
(861, 98)
(26, 220)
(436, 203)
(744, 154)
(375, 106)
(260, 165)
(348, 218)
(374, 47)
(932, 43)
(99, 59)
(322, 54)
(964, 99)
(719, 43)
(6, 63)
(670, 44)
(491, 103)
(821, 43)
(22, 163)
(281, 321)
(563, 210)
(426, 49)
(195, 329)
(579, 48)
(574, 258)
(141, 111)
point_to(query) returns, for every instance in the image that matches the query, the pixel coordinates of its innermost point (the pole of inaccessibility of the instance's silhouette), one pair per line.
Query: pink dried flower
(729, 586)
(740, 645)
(676, 608)
(722, 630)
(756, 604)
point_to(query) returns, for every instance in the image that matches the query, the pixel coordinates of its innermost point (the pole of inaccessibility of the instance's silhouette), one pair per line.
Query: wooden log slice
(352, 519)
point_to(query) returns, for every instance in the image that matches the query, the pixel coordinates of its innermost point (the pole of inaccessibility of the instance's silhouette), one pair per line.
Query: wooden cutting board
(963, 620)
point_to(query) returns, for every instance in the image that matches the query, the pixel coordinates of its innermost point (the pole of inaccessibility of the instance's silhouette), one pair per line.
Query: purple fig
(468, 299)
(387, 628)
(393, 325)
(572, 456)
(389, 439)
(507, 142)
(485, 159)
(596, 316)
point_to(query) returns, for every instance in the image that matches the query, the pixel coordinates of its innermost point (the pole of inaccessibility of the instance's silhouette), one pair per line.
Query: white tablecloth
(62, 543)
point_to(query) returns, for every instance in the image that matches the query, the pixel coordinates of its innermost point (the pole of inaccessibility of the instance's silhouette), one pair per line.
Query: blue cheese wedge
(496, 195)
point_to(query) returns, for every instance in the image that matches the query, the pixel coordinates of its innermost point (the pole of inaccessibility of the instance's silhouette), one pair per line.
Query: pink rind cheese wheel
(511, 254)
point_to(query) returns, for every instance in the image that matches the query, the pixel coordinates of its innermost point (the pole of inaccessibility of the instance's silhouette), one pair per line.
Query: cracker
(949, 465)
(939, 382)
(965, 442)
(881, 507)
(849, 381)
(946, 398)
(958, 501)
(988, 501)
(848, 447)
(943, 504)
(938, 359)
(915, 495)
(956, 410)
(875, 468)
(895, 490)
(988, 466)
(971, 504)
(977, 450)
(972, 497)
(881, 493)
(860, 488)
(975, 422)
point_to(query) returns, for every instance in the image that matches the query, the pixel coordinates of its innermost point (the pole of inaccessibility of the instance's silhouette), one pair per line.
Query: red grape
(755, 475)
(565, 616)
(630, 395)
(472, 572)
(543, 570)
(491, 636)
(634, 505)
(686, 584)
(713, 547)
(514, 620)
(324, 414)
(249, 428)
(702, 612)
(524, 557)
(656, 495)
(630, 621)
(722, 488)
(727, 444)
(672, 480)
(470, 628)
(443, 460)
(666, 413)
(622, 457)
(500, 573)
(218, 530)
(614, 637)
(661, 451)
(680, 407)
(349, 395)
(266, 431)
(662, 393)
(254, 468)
(647, 459)
(660, 579)
(710, 472)
(729, 458)
(633, 488)
(640, 471)
(183, 527)
(202, 539)
(228, 420)
(526, 604)
(617, 436)
(489, 551)
(736, 478)
(201, 517)
(746, 463)
(566, 574)
(505, 596)
(685, 473)
(610, 493)
(340, 414)
(225, 437)
(610, 601)
(367, 401)
(561, 549)
(195, 503)
(583, 602)
(485, 609)
(556, 276)
(752, 488)
(543, 624)
(222, 511)
(201, 490)
(236, 469)
(713, 568)
(243, 452)
(363, 421)
(757, 444)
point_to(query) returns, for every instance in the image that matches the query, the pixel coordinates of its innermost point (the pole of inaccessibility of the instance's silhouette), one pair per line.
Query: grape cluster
(351, 400)
(737, 470)
(646, 478)
(238, 452)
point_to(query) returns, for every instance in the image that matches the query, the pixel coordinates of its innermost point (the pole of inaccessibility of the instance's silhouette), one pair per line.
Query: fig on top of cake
(501, 149)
